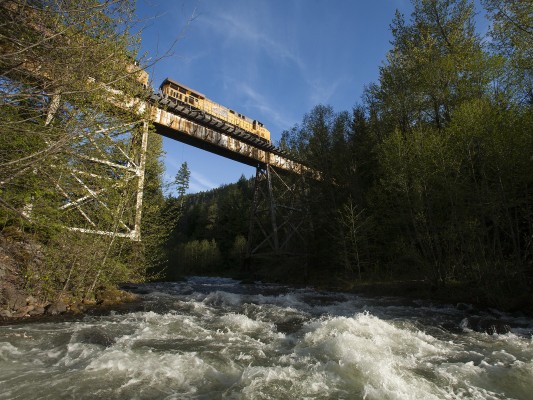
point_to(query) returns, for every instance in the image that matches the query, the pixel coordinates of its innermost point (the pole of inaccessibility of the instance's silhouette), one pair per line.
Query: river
(215, 338)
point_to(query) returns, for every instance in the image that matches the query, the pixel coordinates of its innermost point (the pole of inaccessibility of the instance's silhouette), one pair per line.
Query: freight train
(195, 100)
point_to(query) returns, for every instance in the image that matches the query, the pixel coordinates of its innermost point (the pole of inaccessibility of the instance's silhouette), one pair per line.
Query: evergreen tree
(182, 180)
(428, 180)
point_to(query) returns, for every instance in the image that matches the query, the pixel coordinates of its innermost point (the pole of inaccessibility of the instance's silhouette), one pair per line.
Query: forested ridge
(210, 235)
(428, 179)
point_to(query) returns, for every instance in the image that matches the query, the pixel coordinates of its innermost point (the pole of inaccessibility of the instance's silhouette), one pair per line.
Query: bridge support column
(278, 216)
(141, 166)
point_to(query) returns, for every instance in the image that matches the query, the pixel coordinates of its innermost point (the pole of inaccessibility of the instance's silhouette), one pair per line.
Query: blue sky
(272, 60)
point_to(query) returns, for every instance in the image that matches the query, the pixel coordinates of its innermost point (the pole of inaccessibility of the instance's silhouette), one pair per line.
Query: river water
(214, 338)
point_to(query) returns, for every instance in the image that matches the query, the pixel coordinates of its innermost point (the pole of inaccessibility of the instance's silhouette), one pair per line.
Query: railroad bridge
(277, 213)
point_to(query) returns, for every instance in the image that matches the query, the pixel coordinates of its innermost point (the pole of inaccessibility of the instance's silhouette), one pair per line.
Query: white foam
(181, 373)
(280, 382)
(375, 356)
(227, 345)
(289, 300)
(220, 298)
(8, 351)
(77, 354)
(241, 323)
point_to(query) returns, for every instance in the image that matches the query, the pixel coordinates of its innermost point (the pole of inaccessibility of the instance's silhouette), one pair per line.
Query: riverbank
(16, 306)
(20, 253)
(511, 296)
(477, 315)
(453, 293)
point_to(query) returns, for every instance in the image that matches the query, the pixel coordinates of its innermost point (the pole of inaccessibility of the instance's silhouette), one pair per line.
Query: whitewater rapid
(214, 338)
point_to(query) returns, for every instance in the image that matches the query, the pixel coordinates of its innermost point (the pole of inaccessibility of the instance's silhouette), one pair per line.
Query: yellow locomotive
(186, 96)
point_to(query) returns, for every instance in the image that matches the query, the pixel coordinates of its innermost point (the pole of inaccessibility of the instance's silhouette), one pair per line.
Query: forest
(426, 182)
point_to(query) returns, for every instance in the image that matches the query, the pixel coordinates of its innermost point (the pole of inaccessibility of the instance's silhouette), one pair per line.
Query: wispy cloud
(255, 45)
(235, 31)
(322, 92)
(260, 102)
(199, 182)
(172, 163)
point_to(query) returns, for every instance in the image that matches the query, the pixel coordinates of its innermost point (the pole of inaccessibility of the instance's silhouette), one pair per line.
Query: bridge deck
(206, 132)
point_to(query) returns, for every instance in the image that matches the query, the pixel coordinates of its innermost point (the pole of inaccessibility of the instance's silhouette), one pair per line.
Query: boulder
(112, 296)
(37, 310)
(5, 314)
(96, 336)
(486, 325)
(55, 308)
(13, 299)
(20, 314)
(25, 310)
(77, 308)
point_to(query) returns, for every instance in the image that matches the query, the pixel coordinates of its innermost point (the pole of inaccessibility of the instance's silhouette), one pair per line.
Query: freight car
(195, 100)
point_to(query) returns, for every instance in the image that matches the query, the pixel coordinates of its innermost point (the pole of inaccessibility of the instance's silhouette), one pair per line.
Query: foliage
(198, 256)
(430, 178)
(210, 236)
(66, 74)
(512, 39)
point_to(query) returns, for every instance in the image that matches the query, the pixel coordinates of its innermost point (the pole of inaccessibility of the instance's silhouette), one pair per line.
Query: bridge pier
(278, 216)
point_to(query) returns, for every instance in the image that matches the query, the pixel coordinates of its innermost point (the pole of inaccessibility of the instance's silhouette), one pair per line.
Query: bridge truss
(279, 215)
(102, 193)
